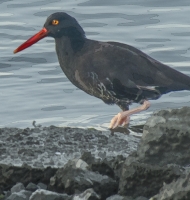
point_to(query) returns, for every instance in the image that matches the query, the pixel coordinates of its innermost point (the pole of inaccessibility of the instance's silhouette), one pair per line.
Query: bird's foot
(123, 118)
(119, 120)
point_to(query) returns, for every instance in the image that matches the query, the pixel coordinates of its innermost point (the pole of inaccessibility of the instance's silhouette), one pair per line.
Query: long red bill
(38, 36)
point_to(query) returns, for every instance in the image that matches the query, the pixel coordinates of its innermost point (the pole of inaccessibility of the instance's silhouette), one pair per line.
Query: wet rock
(161, 154)
(10, 175)
(21, 195)
(32, 187)
(27, 193)
(110, 167)
(6, 194)
(41, 194)
(140, 179)
(118, 197)
(75, 178)
(158, 162)
(88, 194)
(166, 138)
(17, 188)
(141, 198)
(41, 147)
(42, 186)
(177, 190)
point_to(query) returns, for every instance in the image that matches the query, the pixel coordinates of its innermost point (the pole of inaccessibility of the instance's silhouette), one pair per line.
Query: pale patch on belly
(77, 77)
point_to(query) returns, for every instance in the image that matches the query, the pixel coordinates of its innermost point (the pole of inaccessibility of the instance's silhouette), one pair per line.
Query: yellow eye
(55, 22)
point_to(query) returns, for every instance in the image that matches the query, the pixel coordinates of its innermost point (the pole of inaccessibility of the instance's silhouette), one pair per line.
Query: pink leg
(122, 118)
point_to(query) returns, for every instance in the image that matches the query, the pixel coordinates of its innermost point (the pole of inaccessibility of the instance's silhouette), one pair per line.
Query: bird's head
(57, 25)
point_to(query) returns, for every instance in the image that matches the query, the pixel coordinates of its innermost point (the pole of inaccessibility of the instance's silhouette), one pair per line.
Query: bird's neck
(67, 51)
(73, 44)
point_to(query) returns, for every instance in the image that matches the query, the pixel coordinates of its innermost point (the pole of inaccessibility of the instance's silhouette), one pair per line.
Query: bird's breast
(80, 82)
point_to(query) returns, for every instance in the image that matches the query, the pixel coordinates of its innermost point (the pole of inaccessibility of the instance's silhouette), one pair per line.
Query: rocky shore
(52, 163)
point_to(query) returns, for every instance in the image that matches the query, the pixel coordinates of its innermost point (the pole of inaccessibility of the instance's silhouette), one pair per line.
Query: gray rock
(141, 198)
(118, 197)
(166, 138)
(42, 186)
(17, 188)
(110, 167)
(177, 190)
(6, 194)
(88, 194)
(17, 196)
(53, 146)
(128, 198)
(115, 197)
(164, 146)
(41, 194)
(73, 179)
(32, 187)
(140, 179)
(10, 175)
(21, 195)
(27, 193)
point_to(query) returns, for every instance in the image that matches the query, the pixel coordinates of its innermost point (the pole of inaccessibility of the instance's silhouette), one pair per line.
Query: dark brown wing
(124, 73)
(147, 71)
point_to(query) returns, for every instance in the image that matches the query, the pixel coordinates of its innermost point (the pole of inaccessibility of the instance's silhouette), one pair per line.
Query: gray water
(32, 85)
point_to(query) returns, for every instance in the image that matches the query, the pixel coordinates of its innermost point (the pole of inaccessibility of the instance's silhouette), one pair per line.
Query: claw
(123, 118)
(119, 120)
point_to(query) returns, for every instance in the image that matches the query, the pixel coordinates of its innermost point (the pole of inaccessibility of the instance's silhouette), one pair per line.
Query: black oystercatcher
(114, 72)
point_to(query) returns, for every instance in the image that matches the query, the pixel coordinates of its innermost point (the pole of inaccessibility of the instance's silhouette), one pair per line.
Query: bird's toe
(126, 121)
(119, 120)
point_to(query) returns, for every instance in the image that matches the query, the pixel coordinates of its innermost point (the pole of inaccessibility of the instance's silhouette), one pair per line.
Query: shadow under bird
(114, 72)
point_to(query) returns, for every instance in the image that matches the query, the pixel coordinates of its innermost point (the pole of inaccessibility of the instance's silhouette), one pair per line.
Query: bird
(114, 72)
